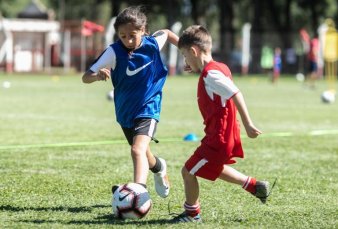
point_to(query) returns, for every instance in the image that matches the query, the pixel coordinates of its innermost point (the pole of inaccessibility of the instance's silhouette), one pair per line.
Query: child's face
(190, 57)
(130, 36)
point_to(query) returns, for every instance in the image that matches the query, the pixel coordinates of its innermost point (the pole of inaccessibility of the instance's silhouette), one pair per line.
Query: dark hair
(195, 35)
(133, 14)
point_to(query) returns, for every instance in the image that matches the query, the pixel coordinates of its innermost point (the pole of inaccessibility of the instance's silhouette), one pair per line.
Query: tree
(226, 29)
(274, 21)
(313, 8)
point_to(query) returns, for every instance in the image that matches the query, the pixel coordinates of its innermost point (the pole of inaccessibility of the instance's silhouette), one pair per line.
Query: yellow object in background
(331, 54)
(331, 42)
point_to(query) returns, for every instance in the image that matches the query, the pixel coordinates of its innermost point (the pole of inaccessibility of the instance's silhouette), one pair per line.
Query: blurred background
(66, 36)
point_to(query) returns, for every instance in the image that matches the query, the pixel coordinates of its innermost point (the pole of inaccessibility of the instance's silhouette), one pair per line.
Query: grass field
(61, 150)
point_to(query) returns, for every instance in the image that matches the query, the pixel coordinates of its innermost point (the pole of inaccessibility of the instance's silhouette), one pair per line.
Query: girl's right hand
(103, 74)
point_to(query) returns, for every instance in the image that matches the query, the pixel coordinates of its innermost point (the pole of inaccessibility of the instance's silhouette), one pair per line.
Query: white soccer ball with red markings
(131, 201)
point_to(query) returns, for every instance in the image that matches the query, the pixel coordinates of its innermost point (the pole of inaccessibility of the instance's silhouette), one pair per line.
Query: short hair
(134, 15)
(195, 35)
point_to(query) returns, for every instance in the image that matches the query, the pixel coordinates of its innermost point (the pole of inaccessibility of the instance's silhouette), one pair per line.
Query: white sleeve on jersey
(106, 60)
(161, 38)
(217, 83)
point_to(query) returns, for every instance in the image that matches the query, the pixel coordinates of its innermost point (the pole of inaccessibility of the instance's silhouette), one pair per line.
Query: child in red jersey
(312, 58)
(218, 100)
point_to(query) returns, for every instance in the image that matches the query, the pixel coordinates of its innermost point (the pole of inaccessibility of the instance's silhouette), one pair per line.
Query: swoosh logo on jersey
(137, 70)
(123, 197)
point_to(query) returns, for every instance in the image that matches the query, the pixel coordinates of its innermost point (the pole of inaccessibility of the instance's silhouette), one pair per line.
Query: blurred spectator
(267, 59)
(277, 64)
(312, 57)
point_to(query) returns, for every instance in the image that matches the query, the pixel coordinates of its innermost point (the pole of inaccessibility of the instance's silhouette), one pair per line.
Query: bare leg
(231, 175)
(151, 158)
(139, 155)
(191, 187)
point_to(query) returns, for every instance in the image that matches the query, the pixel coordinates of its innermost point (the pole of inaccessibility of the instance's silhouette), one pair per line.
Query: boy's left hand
(252, 131)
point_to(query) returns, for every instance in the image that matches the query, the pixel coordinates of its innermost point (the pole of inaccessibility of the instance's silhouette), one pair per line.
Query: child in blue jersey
(137, 73)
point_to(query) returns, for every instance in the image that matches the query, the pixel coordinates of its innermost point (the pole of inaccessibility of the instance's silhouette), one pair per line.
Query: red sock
(250, 185)
(192, 210)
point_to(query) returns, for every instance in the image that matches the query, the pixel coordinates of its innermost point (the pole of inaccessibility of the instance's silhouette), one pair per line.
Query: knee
(185, 174)
(136, 151)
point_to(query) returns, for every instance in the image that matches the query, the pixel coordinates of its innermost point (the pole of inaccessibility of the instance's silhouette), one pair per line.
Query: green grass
(61, 150)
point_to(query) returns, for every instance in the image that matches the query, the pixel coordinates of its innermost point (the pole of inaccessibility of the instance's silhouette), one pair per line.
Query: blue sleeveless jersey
(138, 79)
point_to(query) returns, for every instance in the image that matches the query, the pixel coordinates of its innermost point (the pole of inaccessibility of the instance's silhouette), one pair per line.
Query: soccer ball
(300, 77)
(110, 95)
(131, 201)
(328, 97)
(6, 84)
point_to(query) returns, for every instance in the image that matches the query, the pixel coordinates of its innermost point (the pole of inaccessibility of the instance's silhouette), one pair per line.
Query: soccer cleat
(161, 180)
(263, 190)
(184, 218)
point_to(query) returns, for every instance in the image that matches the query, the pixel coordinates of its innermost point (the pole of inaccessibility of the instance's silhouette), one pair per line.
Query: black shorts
(142, 126)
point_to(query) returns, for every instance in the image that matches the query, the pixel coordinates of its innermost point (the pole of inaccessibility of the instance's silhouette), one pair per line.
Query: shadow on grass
(110, 219)
(61, 208)
(99, 220)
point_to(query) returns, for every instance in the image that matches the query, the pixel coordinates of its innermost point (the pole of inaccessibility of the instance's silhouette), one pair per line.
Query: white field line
(113, 142)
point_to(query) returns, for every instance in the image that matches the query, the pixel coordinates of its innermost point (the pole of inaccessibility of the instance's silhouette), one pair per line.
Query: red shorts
(200, 166)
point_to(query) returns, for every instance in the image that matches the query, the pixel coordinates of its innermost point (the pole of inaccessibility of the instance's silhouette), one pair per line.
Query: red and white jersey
(215, 90)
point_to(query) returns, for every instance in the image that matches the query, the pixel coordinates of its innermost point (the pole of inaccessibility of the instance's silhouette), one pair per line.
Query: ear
(194, 50)
(143, 30)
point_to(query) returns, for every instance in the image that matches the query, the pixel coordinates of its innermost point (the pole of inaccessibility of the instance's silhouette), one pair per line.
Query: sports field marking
(113, 142)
